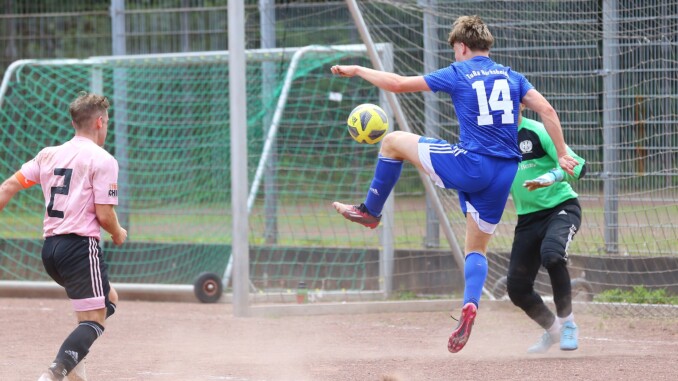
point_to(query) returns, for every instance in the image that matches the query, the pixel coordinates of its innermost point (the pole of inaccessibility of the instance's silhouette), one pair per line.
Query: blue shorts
(482, 182)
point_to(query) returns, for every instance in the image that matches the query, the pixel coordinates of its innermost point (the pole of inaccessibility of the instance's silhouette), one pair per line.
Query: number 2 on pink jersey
(66, 173)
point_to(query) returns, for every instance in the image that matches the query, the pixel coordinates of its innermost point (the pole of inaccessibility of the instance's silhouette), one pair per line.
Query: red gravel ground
(191, 341)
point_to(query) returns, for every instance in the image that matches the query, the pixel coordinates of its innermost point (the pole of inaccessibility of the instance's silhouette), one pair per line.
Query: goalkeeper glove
(544, 180)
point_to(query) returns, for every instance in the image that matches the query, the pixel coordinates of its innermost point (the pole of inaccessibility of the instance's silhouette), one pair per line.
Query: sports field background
(177, 189)
(559, 45)
(203, 342)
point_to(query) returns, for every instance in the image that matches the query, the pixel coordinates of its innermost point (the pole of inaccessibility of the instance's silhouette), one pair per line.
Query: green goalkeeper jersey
(539, 157)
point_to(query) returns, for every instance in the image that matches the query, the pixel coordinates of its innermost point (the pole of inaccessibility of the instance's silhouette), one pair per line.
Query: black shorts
(548, 230)
(77, 264)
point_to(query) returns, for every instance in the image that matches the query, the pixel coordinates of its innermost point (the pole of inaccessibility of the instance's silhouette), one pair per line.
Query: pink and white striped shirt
(74, 176)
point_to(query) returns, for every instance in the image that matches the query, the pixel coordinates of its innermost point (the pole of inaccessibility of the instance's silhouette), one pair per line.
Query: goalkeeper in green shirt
(549, 215)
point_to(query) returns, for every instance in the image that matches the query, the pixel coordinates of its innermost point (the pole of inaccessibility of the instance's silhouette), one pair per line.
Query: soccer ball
(367, 123)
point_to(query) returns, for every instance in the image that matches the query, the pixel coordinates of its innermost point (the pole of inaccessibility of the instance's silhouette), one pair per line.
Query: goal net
(169, 130)
(607, 68)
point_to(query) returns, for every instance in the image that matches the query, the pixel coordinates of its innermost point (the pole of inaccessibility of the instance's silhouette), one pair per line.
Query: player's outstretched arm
(108, 220)
(392, 82)
(545, 180)
(537, 103)
(8, 189)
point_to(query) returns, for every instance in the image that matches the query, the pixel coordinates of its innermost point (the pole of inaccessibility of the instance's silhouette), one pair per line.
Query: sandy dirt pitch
(192, 341)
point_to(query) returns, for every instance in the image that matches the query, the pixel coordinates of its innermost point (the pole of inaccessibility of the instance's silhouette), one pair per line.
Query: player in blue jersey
(481, 167)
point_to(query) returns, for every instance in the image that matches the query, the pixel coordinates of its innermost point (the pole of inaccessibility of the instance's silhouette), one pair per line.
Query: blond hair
(87, 107)
(472, 32)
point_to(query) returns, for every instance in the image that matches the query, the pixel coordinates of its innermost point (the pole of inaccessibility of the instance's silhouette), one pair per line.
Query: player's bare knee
(399, 145)
(98, 316)
(389, 144)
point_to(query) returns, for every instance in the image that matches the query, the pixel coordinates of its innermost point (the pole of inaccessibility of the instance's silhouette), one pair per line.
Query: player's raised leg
(397, 147)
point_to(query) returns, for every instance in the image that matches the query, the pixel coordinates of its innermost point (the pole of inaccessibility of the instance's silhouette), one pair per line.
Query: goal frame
(384, 55)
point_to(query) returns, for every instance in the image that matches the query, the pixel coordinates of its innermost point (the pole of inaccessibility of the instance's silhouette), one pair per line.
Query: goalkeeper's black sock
(76, 346)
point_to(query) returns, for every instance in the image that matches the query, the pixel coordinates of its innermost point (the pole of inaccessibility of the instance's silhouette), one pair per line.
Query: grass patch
(638, 295)
(643, 229)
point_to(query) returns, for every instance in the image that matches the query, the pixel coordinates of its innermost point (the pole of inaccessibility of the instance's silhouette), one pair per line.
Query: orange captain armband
(22, 179)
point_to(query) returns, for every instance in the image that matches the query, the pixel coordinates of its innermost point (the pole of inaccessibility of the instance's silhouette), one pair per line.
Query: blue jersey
(486, 98)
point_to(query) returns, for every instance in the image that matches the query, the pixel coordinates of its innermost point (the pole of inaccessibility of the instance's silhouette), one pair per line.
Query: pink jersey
(74, 176)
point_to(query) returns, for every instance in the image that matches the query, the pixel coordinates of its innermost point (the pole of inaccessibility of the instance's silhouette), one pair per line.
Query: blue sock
(475, 272)
(386, 175)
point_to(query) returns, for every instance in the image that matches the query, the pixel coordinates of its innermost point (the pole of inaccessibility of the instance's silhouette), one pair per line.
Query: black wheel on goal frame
(208, 287)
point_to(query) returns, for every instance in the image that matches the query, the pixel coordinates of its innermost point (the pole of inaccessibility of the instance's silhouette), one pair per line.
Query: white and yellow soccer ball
(367, 123)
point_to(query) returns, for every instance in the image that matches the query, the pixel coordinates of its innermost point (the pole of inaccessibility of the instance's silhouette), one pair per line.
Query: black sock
(76, 346)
